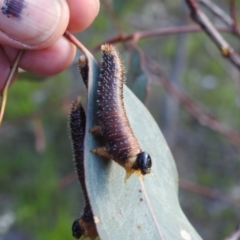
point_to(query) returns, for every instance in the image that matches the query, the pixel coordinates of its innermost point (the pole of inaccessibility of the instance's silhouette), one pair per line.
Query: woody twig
(9, 79)
(200, 18)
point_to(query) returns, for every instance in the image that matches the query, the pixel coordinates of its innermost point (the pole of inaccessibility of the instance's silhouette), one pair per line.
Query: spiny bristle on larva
(76, 104)
(84, 69)
(82, 61)
(107, 47)
(77, 129)
(110, 50)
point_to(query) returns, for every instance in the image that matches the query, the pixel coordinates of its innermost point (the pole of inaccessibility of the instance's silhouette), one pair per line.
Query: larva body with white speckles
(83, 226)
(113, 126)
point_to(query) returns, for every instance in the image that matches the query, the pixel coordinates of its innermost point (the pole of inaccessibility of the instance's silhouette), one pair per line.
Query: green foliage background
(34, 183)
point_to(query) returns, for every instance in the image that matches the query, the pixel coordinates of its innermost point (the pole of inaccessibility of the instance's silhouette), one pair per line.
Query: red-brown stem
(207, 192)
(73, 40)
(204, 117)
(200, 18)
(156, 32)
(217, 11)
(233, 11)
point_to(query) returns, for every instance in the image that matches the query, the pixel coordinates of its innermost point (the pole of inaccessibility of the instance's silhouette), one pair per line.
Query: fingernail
(30, 22)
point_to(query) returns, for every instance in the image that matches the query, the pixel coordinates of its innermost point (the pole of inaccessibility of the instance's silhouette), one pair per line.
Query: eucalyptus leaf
(137, 209)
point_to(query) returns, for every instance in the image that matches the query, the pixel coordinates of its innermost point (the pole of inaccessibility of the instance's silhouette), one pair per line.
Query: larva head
(77, 230)
(144, 162)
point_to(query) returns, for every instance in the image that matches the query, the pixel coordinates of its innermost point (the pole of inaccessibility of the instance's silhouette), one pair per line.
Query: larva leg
(128, 175)
(130, 172)
(101, 151)
(96, 130)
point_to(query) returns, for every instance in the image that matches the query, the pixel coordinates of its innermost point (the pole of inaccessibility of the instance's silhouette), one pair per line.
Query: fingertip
(4, 68)
(50, 61)
(82, 14)
(46, 62)
(38, 25)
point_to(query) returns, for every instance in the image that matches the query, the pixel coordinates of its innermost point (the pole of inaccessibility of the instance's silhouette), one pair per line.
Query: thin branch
(199, 17)
(207, 192)
(155, 32)
(235, 235)
(71, 38)
(67, 180)
(111, 14)
(217, 11)
(9, 79)
(233, 11)
(222, 15)
(203, 116)
(39, 134)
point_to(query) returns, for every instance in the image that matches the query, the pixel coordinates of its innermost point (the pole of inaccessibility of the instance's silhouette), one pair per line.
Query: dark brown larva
(112, 122)
(85, 225)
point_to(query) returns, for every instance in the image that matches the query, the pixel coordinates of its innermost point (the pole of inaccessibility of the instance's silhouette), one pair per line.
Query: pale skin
(40, 31)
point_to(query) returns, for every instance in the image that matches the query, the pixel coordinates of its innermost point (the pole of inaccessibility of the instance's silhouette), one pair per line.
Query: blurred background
(191, 91)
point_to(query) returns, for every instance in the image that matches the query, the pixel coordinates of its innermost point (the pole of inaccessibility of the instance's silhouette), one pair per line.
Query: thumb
(32, 24)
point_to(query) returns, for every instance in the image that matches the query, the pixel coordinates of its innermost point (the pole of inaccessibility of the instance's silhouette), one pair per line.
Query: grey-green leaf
(136, 209)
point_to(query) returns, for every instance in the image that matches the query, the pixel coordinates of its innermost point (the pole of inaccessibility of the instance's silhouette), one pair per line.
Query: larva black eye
(144, 162)
(76, 229)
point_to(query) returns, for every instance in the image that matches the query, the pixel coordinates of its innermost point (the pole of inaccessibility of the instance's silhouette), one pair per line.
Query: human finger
(82, 13)
(4, 68)
(32, 24)
(48, 61)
